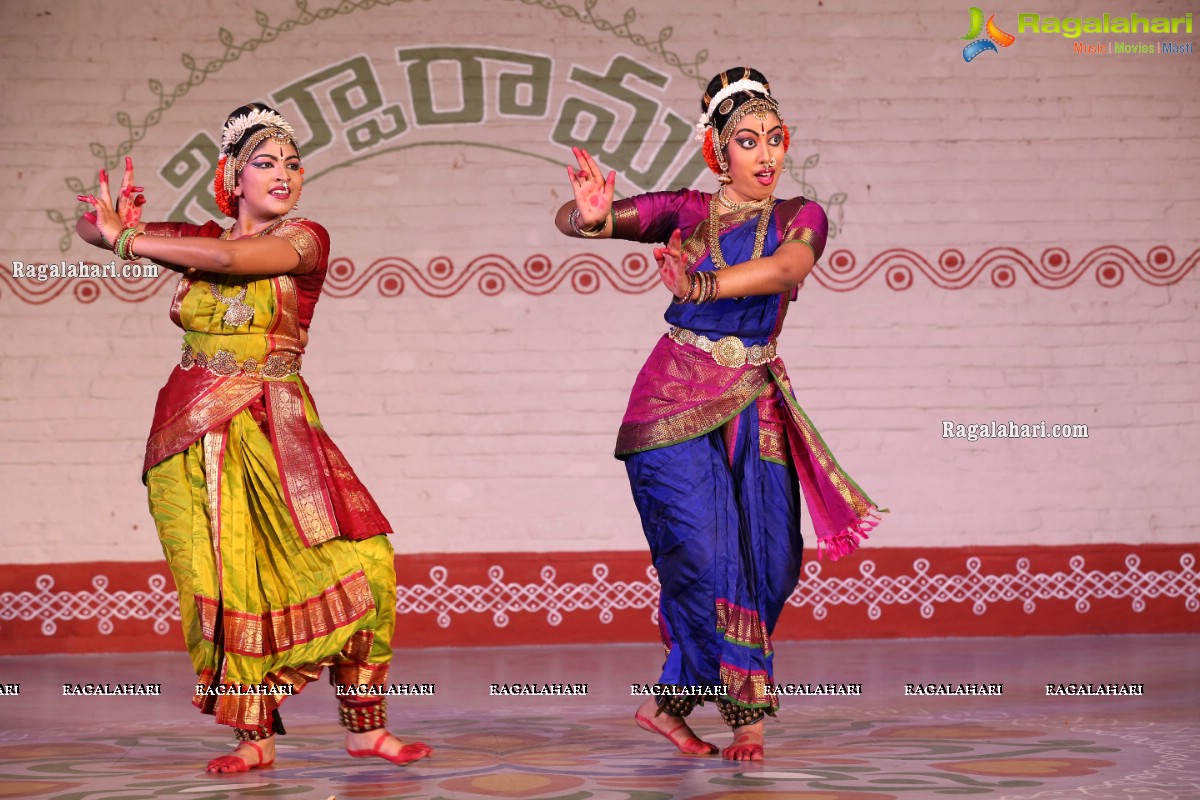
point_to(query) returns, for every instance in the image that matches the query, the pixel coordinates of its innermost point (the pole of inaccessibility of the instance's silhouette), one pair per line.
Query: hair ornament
(726, 93)
(237, 127)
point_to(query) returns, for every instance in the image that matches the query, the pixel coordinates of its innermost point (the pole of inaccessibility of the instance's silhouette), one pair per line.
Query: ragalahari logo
(995, 36)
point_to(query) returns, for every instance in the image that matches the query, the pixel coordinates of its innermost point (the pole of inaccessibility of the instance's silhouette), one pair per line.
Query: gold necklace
(714, 230)
(237, 313)
(724, 200)
(226, 233)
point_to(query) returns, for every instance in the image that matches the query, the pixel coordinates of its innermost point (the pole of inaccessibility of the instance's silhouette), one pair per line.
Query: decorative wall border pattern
(1052, 270)
(158, 605)
(585, 273)
(492, 274)
(554, 599)
(981, 590)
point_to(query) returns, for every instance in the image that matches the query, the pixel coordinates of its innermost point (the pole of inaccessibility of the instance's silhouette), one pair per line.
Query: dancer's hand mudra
(671, 268)
(593, 192)
(127, 213)
(130, 198)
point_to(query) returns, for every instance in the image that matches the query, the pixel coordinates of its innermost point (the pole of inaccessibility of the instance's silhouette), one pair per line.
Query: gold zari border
(354, 673)
(772, 443)
(860, 504)
(707, 416)
(223, 399)
(249, 710)
(803, 235)
(280, 630)
(748, 689)
(302, 240)
(742, 626)
(299, 468)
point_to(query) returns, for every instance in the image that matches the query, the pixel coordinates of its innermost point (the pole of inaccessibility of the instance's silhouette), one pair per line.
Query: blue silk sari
(717, 454)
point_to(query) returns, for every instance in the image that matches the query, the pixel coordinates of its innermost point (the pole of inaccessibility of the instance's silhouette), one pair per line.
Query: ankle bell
(736, 716)
(363, 718)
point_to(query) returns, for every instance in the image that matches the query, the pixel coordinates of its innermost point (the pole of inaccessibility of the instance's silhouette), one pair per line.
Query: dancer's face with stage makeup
(269, 185)
(755, 155)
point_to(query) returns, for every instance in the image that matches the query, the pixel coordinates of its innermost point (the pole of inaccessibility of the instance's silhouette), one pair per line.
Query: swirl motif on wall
(585, 273)
(1054, 269)
(491, 274)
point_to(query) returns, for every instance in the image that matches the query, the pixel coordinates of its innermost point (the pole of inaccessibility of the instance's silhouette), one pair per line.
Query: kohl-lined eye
(746, 143)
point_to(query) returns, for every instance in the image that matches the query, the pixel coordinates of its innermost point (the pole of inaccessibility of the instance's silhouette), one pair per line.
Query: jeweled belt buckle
(729, 351)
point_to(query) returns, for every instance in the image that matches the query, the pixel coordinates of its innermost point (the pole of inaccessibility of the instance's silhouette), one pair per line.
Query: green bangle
(129, 254)
(116, 246)
(119, 247)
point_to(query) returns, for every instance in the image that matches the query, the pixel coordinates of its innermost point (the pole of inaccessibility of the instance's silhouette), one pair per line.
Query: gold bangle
(587, 233)
(129, 254)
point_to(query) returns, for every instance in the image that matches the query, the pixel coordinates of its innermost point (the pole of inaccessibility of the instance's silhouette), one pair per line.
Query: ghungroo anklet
(736, 716)
(677, 705)
(264, 731)
(360, 718)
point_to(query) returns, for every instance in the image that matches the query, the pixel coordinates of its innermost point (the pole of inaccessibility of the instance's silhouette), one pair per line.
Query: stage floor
(882, 745)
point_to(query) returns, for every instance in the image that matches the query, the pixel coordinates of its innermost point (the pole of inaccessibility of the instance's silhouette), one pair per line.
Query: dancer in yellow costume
(277, 549)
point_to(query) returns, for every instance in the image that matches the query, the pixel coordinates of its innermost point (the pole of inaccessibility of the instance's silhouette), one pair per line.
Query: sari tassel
(845, 542)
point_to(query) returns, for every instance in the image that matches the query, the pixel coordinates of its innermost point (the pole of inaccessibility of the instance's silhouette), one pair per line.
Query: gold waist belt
(729, 351)
(224, 362)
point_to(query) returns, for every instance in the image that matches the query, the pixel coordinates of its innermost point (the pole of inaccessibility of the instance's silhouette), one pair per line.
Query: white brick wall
(486, 423)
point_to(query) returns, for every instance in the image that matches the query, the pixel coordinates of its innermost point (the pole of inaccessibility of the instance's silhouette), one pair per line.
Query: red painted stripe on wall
(528, 598)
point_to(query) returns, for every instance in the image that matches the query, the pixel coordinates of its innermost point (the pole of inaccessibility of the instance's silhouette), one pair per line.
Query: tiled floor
(877, 746)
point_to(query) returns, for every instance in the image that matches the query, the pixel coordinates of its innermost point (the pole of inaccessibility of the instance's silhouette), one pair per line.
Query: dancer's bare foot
(245, 757)
(747, 743)
(673, 728)
(384, 745)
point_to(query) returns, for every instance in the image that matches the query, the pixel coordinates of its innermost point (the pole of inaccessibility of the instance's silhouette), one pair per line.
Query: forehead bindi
(763, 130)
(274, 150)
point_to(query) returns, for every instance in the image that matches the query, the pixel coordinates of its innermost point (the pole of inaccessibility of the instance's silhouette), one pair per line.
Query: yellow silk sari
(270, 589)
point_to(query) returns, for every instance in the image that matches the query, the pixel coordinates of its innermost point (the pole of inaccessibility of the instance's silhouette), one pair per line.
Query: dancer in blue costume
(717, 449)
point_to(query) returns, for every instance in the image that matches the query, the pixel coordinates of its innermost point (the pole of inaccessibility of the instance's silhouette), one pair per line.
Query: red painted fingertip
(140, 200)
(81, 198)
(90, 217)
